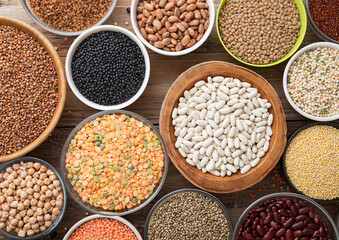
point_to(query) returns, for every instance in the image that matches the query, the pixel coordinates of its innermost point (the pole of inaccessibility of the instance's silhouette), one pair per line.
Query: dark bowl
(315, 28)
(40, 235)
(221, 205)
(333, 124)
(322, 213)
(98, 210)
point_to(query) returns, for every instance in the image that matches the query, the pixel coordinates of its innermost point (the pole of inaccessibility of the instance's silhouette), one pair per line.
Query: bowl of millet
(311, 81)
(107, 67)
(32, 197)
(114, 163)
(261, 33)
(68, 18)
(32, 89)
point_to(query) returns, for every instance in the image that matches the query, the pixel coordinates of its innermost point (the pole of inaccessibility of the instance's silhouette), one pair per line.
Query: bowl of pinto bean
(170, 27)
(285, 216)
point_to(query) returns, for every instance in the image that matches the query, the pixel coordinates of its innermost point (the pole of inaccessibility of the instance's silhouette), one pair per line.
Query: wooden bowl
(47, 45)
(238, 181)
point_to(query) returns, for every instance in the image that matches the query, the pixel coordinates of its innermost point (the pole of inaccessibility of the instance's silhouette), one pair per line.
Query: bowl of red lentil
(33, 88)
(114, 163)
(103, 227)
(68, 18)
(310, 81)
(310, 161)
(286, 216)
(323, 16)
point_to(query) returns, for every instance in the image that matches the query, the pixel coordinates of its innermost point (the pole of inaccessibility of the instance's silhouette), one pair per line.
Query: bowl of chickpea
(32, 198)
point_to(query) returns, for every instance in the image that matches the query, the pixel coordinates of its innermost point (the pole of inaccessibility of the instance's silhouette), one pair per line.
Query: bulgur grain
(28, 89)
(312, 162)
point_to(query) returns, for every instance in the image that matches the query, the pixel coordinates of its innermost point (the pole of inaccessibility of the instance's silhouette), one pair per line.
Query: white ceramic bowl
(169, 53)
(38, 21)
(86, 219)
(287, 94)
(72, 50)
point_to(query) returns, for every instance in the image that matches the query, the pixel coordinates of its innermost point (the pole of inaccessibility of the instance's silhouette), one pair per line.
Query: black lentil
(108, 68)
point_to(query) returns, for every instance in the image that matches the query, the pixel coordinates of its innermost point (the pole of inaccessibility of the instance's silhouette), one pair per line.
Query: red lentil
(103, 229)
(325, 15)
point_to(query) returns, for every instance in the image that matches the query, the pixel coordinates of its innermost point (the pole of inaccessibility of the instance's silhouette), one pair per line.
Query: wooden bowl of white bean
(224, 126)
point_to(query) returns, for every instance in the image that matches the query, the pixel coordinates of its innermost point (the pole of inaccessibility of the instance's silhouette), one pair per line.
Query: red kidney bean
(308, 231)
(316, 233)
(263, 215)
(266, 228)
(297, 233)
(288, 203)
(283, 219)
(294, 210)
(261, 230)
(254, 215)
(247, 223)
(307, 221)
(289, 234)
(283, 212)
(280, 232)
(313, 226)
(269, 235)
(274, 225)
(281, 202)
(255, 234)
(316, 219)
(311, 214)
(300, 218)
(297, 225)
(304, 210)
(304, 238)
(276, 217)
(321, 231)
(282, 238)
(268, 210)
(261, 209)
(288, 223)
(302, 203)
(247, 236)
(255, 223)
(268, 219)
(297, 205)
(274, 209)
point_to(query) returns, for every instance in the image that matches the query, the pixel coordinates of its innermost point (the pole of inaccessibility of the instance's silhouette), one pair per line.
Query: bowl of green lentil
(114, 163)
(188, 214)
(310, 161)
(261, 33)
(311, 81)
(68, 18)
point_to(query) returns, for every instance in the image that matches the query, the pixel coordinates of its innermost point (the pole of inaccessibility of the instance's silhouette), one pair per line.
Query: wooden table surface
(164, 70)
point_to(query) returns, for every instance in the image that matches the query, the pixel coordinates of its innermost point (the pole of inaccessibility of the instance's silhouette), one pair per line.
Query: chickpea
(35, 226)
(43, 176)
(26, 220)
(34, 202)
(2, 225)
(9, 228)
(35, 214)
(30, 191)
(30, 212)
(40, 219)
(34, 208)
(39, 211)
(18, 216)
(48, 193)
(39, 182)
(47, 205)
(13, 212)
(10, 200)
(9, 192)
(5, 214)
(14, 222)
(22, 233)
(42, 228)
(23, 195)
(9, 169)
(51, 187)
(47, 181)
(5, 184)
(32, 220)
(5, 207)
(36, 188)
(30, 233)
(12, 186)
(34, 181)
(53, 177)
(30, 164)
(36, 195)
(27, 226)
(40, 204)
(14, 174)
(53, 202)
(49, 172)
(45, 211)
(48, 224)
(31, 171)
(23, 174)
(54, 217)
(28, 178)
(55, 211)
(10, 178)
(44, 188)
(43, 168)
(37, 165)
(59, 197)
(19, 171)
(55, 193)
(56, 183)
(29, 197)
(21, 206)
(10, 217)
(59, 203)
(6, 174)
(47, 217)
(4, 190)
(23, 183)
(16, 182)
(23, 213)
(14, 204)
(2, 199)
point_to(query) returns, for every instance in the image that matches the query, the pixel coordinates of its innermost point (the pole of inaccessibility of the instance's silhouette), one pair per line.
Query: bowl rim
(135, 26)
(302, 33)
(84, 36)
(64, 200)
(95, 216)
(295, 133)
(53, 54)
(314, 26)
(282, 195)
(51, 29)
(285, 76)
(215, 199)
(104, 212)
(176, 158)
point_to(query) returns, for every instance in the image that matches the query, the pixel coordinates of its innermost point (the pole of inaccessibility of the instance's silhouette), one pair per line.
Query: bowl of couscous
(114, 163)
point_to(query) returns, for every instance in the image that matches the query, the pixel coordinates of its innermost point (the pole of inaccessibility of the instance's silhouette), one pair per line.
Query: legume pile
(28, 89)
(325, 15)
(104, 229)
(30, 197)
(173, 25)
(313, 81)
(187, 216)
(286, 218)
(259, 31)
(312, 162)
(115, 162)
(70, 15)
(222, 126)
(108, 68)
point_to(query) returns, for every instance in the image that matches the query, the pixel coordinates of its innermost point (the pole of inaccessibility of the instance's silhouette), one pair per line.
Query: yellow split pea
(312, 162)
(114, 162)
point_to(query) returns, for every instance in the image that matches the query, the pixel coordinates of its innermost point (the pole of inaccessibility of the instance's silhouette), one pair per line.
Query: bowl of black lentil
(107, 67)
(188, 214)
(68, 18)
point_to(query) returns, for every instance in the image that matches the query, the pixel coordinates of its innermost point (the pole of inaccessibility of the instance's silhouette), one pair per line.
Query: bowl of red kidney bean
(285, 216)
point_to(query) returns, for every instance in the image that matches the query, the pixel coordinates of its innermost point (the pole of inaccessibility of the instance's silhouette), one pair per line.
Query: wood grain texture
(47, 45)
(237, 181)
(164, 70)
